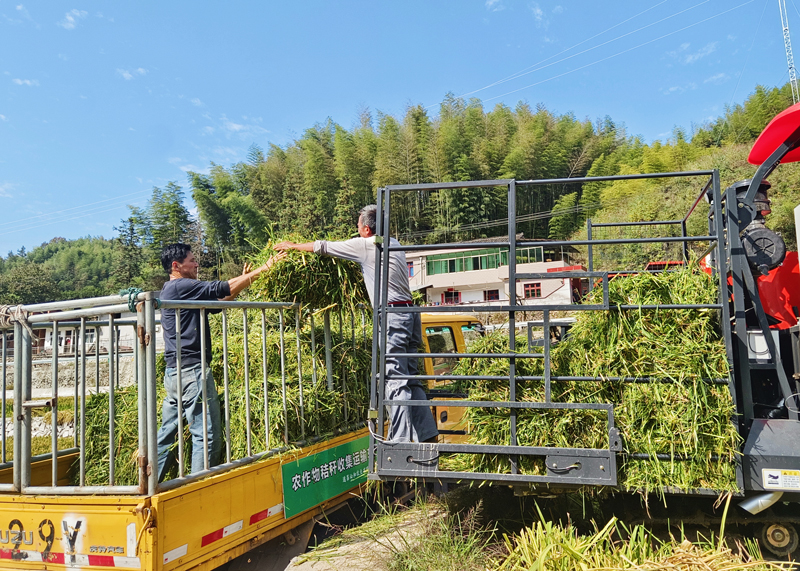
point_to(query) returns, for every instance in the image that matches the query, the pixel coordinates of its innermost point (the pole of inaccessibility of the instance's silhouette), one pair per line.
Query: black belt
(400, 303)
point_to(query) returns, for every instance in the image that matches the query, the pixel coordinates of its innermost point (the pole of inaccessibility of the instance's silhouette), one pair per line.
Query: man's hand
(238, 283)
(248, 267)
(283, 246)
(272, 261)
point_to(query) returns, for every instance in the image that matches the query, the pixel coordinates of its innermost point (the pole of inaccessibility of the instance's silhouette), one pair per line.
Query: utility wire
(91, 212)
(622, 52)
(525, 71)
(741, 73)
(65, 210)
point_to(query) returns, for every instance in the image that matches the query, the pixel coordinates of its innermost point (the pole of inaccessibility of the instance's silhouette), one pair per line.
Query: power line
(525, 71)
(622, 52)
(63, 212)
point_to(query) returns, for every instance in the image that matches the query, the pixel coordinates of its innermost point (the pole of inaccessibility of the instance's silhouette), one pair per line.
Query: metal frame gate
(565, 466)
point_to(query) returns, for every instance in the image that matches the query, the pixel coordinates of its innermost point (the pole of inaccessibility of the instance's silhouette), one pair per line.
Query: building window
(451, 297)
(533, 290)
(491, 295)
(410, 269)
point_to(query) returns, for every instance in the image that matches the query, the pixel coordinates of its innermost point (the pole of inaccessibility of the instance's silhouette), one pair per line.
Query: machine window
(441, 340)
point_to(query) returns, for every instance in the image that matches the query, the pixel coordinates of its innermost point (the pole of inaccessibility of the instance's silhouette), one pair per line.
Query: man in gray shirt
(403, 332)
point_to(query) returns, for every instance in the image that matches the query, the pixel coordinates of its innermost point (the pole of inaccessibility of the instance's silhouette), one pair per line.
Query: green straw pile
(313, 280)
(681, 414)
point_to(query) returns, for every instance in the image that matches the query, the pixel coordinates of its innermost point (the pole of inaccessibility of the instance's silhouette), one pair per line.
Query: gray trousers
(406, 423)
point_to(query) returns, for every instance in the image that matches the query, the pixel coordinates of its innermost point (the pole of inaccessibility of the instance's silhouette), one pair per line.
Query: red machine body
(780, 292)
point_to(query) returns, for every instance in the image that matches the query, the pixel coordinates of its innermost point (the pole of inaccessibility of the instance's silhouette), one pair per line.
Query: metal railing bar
(88, 302)
(469, 356)
(111, 404)
(203, 383)
(283, 378)
(76, 435)
(82, 490)
(503, 404)
(246, 355)
(700, 197)
(116, 336)
(142, 412)
(300, 372)
(552, 243)
(505, 449)
(5, 387)
(644, 223)
(193, 304)
(77, 313)
(41, 457)
(179, 379)
(613, 177)
(265, 372)
(226, 385)
(97, 358)
(448, 185)
(328, 354)
(82, 478)
(313, 350)
(54, 422)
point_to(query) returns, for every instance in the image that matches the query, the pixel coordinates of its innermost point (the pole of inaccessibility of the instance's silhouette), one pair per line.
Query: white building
(480, 275)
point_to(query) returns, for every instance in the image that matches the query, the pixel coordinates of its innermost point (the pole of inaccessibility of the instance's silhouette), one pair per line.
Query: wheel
(779, 538)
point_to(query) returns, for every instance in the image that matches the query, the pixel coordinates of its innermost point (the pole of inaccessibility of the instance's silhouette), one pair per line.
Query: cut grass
(681, 414)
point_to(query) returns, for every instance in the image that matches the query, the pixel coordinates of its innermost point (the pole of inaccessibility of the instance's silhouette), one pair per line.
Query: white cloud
(208, 130)
(196, 102)
(128, 75)
(242, 129)
(680, 88)
(28, 82)
(71, 18)
(538, 14)
(63, 57)
(231, 126)
(717, 79)
(701, 53)
(226, 151)
(558, 10)
(494, 5)
(193, 168)
(3, 118)
(5, 187)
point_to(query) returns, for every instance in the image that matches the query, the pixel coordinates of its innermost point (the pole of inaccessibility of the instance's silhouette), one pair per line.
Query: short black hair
(174, 253)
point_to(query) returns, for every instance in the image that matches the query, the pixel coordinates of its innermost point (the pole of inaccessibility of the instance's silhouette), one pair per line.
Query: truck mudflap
(96, 533)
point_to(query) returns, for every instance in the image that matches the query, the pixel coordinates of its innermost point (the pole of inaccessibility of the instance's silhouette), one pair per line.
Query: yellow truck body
(197, 526)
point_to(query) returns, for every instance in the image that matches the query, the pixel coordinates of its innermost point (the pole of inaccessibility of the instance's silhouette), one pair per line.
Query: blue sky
(101, 101)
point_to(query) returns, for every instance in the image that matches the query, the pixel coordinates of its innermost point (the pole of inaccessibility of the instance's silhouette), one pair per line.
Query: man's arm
(352, 249)
(239, 283)
(305, 247)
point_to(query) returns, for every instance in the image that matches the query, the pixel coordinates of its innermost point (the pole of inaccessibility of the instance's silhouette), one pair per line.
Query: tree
(29, 283)
(128, 255)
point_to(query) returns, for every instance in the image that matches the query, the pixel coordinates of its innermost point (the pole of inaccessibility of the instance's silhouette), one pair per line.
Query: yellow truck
(53, 517)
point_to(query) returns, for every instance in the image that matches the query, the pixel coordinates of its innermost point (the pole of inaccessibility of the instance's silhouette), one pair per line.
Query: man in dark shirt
(179, 262)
